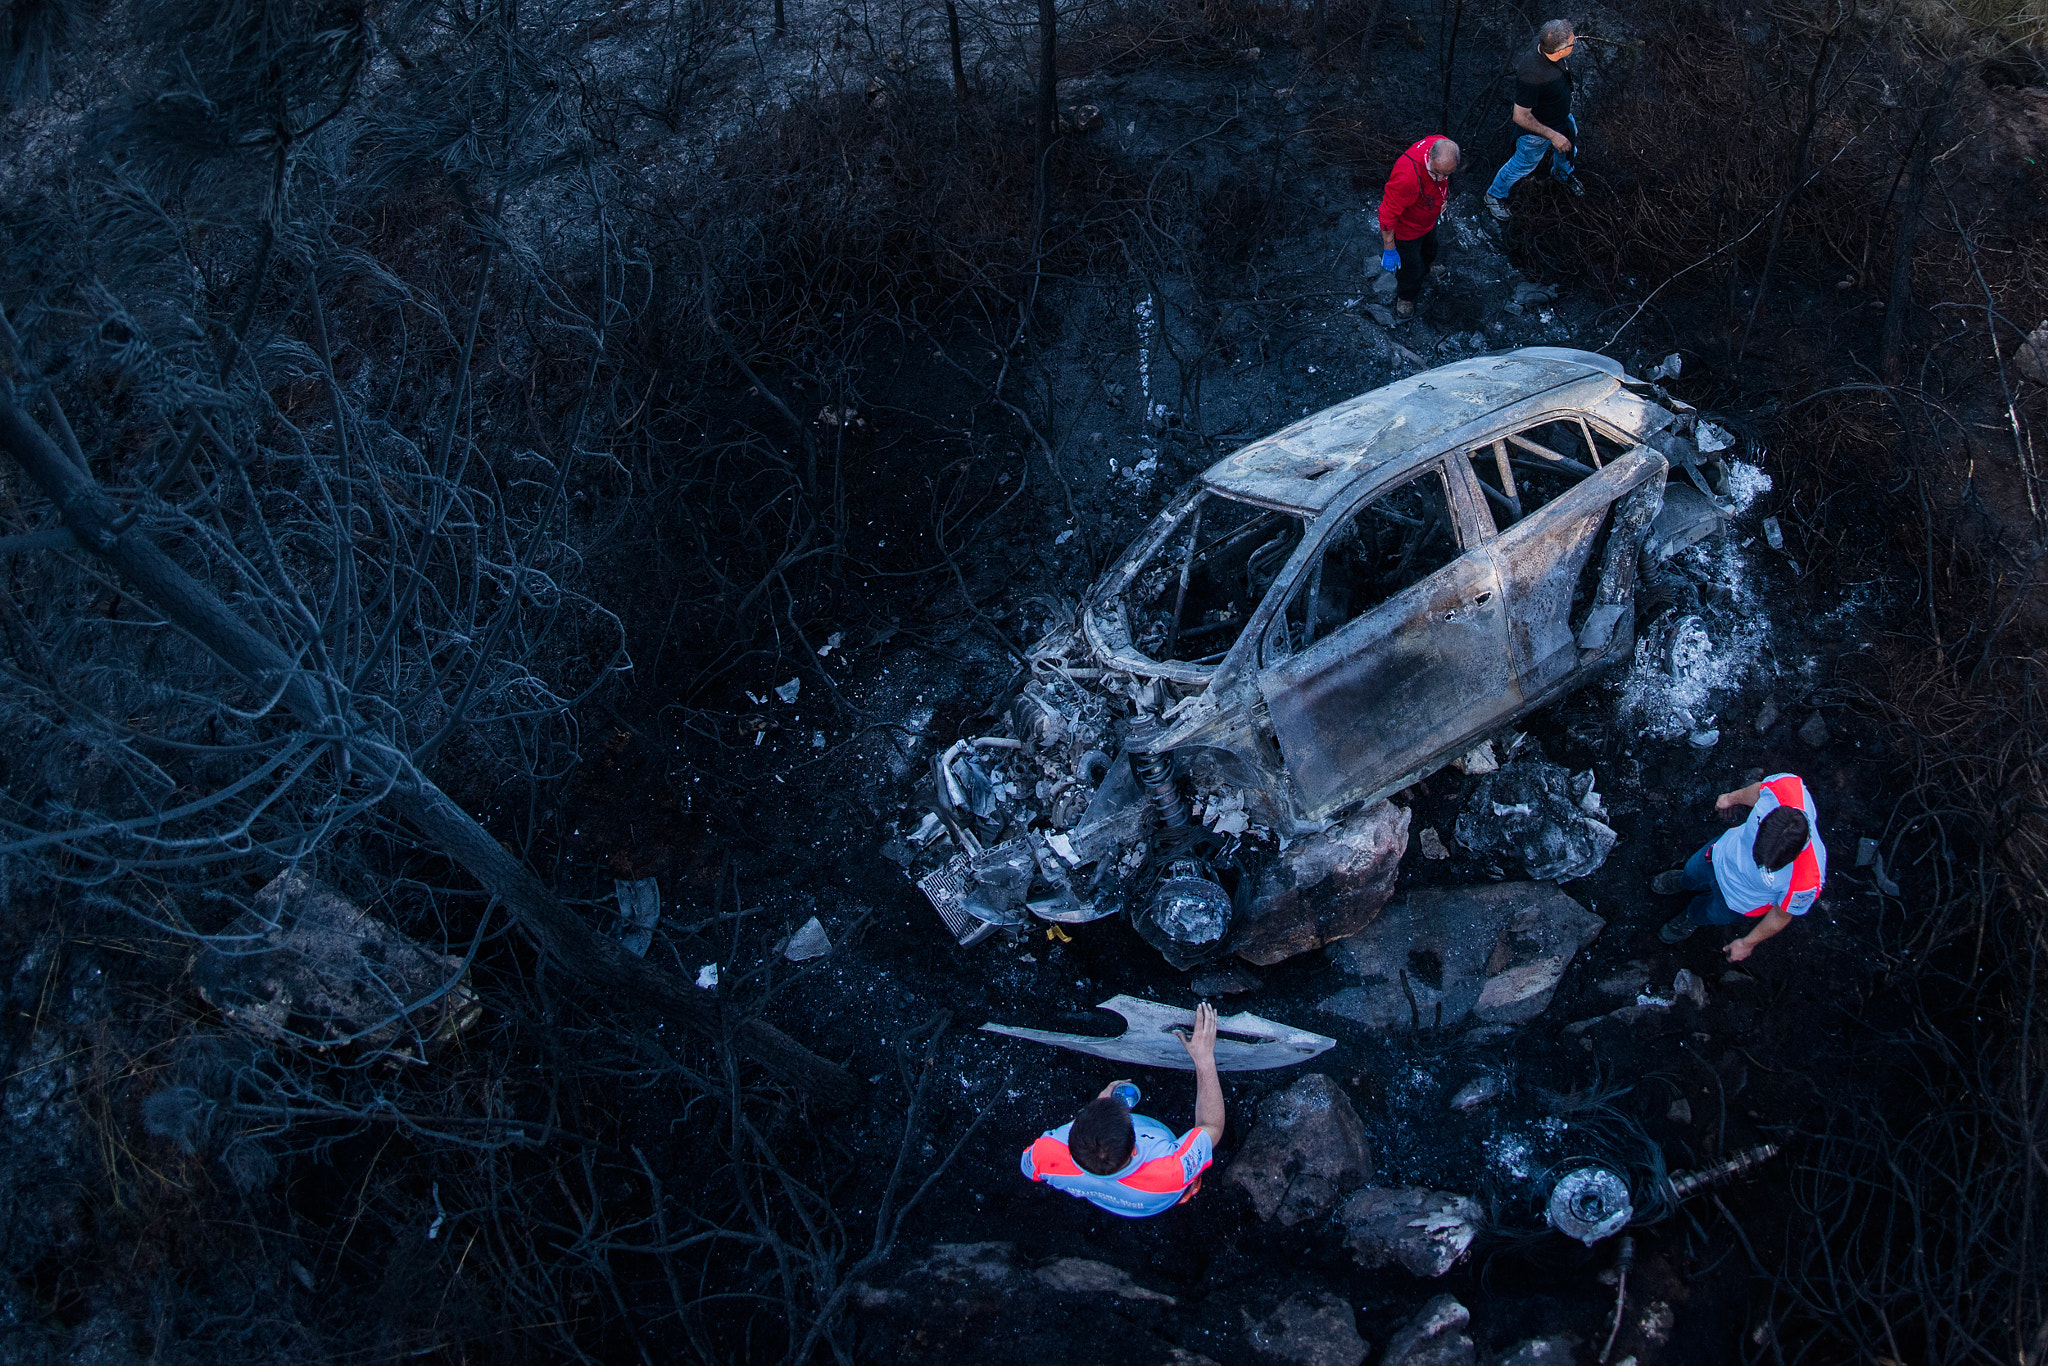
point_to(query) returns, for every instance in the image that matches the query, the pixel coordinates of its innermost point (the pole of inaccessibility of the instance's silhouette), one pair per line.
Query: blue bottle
(1128, 1094)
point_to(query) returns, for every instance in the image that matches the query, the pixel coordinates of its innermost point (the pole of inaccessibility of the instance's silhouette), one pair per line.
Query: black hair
(1102, 1138)
(1779, 838)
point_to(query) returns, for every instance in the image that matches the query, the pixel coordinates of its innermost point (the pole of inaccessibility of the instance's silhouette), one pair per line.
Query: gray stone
(1477, 1092)
(1434, 1337)
(1530, 813)
(1494, 954)
(309, 968)
(1766, 716)
(1428, 1232)
(1381, 314)
(1307, 1149)
(1680, 1111)
(1432, 844)
(1228, 982)
(807, 943)
(1309, 1330)
(1815, 731)
(1537, 1352)
(1074, 1276)
(1324, 887)
(2032, 357)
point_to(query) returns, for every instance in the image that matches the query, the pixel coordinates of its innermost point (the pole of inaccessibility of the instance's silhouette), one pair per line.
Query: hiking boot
(1677, 929)
(1572, 186)
(1669, 883)
(1497, 209)
(1405, 308)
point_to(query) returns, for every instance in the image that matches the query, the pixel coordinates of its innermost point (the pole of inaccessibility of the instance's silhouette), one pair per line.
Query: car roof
(1308, 466)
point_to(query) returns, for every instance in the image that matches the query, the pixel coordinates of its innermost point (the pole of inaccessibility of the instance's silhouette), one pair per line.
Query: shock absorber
(1155, 772)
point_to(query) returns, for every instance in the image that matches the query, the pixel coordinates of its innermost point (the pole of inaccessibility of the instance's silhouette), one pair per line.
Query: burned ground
(786, 378)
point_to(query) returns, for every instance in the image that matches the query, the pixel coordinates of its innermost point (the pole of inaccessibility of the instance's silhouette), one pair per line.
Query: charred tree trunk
(953, 41)
(1048, 104)
(1802, 154)
(195, 609)
(1899, 299)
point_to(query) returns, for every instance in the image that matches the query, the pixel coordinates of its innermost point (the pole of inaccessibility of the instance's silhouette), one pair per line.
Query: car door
(1391, 645)
(1550, 484)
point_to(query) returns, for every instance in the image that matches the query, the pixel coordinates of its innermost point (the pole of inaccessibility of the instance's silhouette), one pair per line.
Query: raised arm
(1742, 796)
(1208, 1086)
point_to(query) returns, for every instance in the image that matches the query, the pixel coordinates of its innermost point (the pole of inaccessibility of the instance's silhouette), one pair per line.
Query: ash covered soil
(1742, 641)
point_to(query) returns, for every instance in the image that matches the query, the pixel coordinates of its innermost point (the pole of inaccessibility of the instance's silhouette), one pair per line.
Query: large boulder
(1439, 957)
(1309, 1330)
(1307, 1149)
(1539, 816)
(1324, 887)
(1428, 1232)
(1434, 1337)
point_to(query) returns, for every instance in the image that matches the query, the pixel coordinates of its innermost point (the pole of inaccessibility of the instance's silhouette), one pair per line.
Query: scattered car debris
(1668, 368)
(1676, 1188)
(788, 691)
(304, 966)
(1244, 1042)
(1589, 1204)
(1536, 814)
(707, 976)
(639, 912)
(1443, 554)
(810, 941)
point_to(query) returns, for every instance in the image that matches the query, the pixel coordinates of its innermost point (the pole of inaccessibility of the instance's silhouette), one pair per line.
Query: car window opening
(1394, 542)
(1525, 470)
(1190, 601)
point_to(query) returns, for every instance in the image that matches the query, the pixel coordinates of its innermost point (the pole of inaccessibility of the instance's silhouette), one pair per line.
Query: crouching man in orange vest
(1131, 1164)
(1768, 869)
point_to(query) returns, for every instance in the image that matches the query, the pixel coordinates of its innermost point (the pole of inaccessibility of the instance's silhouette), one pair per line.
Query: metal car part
(1244, 1042)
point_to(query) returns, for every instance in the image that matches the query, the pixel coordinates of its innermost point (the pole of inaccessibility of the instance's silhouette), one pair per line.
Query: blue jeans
(1707, 908)
(1529, 150)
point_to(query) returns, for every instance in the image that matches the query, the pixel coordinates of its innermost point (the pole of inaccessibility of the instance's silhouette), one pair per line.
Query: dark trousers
(1708, 908)
(1417, 254)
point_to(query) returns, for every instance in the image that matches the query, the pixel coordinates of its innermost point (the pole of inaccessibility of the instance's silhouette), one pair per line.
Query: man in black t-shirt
(1543, 111)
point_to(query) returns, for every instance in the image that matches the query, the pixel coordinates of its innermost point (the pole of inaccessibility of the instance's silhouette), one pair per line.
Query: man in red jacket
(1414, 200)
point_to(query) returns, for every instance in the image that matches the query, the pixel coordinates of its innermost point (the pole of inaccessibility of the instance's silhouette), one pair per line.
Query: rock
(1440, 955)
(807, 943)
(1428, 1232)
(1528, 295)
(1766, 716)
(1537, 1352)
(1228, 982)
(309, 968)
(1477, 760)
(1318, 1330)
(1680, 1111)
(1434, 1337)
(1087, 118)
(1432, 844)
(1529, 813)
(1324, 887)
(1688, 985)
(1381, 314)
(2032, 357)
(1073, 1276)
(1627, 982)
(1814, 731)
(1307, 1149)
(1385, 285)
(1735, 977)
(1476, 1092)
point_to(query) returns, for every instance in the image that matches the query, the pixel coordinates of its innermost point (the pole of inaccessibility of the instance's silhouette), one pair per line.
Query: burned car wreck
(1205, 744)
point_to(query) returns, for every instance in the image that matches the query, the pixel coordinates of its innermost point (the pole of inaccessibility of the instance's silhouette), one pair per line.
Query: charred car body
(1322, 618)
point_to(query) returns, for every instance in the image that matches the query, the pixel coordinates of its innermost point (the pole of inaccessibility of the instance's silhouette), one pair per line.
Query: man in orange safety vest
(1769, 869)
(1129, 1164)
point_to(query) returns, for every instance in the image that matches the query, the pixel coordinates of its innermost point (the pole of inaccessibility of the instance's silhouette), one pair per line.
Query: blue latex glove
(1390, 260)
